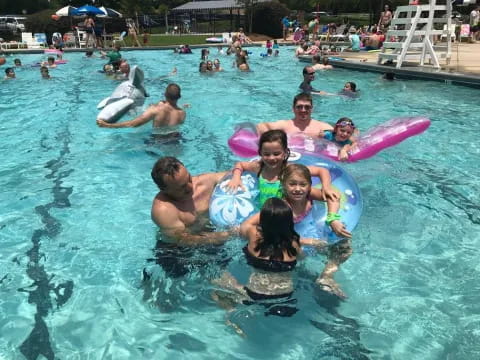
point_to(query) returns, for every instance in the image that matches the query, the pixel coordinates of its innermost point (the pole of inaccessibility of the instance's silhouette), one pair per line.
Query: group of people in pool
(180, 209)
(44, 66)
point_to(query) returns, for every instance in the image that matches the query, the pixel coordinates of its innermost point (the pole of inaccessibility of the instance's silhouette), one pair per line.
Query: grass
(169, 40)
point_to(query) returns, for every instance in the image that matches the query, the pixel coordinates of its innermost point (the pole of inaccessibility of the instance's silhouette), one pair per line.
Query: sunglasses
(303, 107)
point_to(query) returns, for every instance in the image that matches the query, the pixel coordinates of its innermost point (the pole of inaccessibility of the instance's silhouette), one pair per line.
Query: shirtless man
(166, 115)
(180, 209)
(385, 19)
(302, 122)
(308, 77)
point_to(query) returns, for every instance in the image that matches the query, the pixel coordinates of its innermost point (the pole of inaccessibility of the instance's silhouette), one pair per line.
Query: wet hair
(88, 53)
(274, 136)
(325, 60)
(204, 54)
(305, 69)
(353, 86)
(166, 166)
(173, 92)
(17, 61)
(201, 65)
(304, 97)
(295, 169)
(269, 51)
(316, 59)
(276, 230)
(51, 59)
(389, 76)
(9, 70)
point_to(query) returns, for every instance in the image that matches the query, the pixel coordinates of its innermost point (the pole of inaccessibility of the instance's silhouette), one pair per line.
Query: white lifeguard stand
(414, 26)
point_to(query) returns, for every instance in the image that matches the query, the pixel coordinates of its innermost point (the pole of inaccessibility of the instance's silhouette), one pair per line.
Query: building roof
(211, 5)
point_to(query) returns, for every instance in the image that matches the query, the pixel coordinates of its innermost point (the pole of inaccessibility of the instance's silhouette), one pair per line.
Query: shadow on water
(39, 292)
(344, 331)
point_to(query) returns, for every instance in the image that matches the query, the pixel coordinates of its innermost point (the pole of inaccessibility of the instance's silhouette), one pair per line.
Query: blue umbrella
(88, 10)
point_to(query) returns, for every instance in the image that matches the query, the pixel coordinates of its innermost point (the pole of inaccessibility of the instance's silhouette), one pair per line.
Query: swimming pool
(76, 231)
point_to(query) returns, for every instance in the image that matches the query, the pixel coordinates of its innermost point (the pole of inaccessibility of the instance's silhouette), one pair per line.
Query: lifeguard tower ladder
(414, 27)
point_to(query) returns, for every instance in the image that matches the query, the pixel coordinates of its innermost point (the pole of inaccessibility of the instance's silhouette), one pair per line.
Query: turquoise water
(75, 229)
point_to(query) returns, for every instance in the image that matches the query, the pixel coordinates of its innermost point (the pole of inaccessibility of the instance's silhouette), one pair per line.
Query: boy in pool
(9, 73)
(342, 136)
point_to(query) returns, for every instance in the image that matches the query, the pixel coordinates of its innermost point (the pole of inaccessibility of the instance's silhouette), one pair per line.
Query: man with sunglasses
(308, 77)
(302, 121)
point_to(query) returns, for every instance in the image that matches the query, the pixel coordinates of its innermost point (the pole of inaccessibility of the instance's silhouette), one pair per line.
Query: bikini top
(268, 265)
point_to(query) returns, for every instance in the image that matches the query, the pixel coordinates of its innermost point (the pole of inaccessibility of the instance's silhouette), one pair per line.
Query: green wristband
(332, 217)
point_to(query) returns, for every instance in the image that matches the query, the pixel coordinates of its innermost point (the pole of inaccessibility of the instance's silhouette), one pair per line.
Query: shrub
(267, 18)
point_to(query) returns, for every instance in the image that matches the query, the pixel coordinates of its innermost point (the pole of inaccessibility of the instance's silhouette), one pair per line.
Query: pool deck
(464, 67)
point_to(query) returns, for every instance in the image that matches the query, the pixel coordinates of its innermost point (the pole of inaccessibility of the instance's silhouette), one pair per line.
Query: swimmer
(166, 115)
(89, 54)
(9, 73)
(204, 54)
(113, 55)
(44, 72)
(299, 194)
(272, 251)
(274, 152)
(216, 65)
(324, 65)
(209, 66)
(203, 67)
(308, 77)
(17, 62)
(50, 62)
(276, 53)
(342, 135)
(180, 208)
(242, 63)
(109, 70)
(302, 121)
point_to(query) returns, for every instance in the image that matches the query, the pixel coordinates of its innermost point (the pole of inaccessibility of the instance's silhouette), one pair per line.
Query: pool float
(244, 142)
(214, 40)
(128, 95)
(53, 51)
(57, 62)
(228, 209)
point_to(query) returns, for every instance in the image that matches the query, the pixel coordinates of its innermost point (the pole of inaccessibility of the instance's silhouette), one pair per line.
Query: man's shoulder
(321, 124)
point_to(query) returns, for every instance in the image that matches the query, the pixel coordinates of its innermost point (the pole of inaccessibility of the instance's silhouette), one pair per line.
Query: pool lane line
(39, 292)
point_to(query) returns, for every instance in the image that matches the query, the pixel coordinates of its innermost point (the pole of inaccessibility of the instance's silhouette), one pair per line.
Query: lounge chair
(32, 42)
(119, 39)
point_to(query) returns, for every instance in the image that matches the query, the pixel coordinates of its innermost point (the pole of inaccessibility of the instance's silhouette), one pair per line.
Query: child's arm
(237, 171)
(316, 243)
(343, 152)
(248, 224)
(333, 218)
(324, 176)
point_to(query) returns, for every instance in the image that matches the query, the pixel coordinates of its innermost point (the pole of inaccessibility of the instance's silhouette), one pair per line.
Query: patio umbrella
(88, 10)
(107, 12)
(66, 11)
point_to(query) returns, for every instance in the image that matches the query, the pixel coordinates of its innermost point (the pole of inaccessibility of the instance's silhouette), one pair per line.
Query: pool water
(76, 233)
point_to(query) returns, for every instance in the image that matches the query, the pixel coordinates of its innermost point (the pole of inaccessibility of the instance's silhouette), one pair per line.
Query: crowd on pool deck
(286, 197)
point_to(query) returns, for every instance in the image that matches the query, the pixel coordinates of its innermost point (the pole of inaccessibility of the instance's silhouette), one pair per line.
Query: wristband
(332, 217)
(237, 168)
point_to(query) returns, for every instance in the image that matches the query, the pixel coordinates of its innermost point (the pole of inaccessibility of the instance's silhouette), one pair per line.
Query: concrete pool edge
(406, 73)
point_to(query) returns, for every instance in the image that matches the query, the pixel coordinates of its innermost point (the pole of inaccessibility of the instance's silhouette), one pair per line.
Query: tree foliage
(267, 18)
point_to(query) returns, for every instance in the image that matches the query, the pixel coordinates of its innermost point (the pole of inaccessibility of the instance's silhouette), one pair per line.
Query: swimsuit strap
(298, 218)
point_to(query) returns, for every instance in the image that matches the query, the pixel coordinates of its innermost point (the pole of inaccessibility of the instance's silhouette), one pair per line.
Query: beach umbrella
(88, 10)
(107, 12)
(66, 11)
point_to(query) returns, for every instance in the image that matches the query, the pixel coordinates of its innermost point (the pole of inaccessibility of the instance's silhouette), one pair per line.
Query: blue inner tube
(232, 209)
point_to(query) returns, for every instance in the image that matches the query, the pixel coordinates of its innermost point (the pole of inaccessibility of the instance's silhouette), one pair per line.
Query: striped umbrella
(66, 11)
(109, 13)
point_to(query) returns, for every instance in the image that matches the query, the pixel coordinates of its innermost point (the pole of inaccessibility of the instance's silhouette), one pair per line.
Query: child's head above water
(350, 86)
(296, 182)
(273, 149)
(277, 229)
(343, 129)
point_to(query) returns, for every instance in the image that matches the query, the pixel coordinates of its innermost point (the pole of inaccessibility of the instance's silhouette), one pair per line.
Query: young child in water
(274, 153)
(342, 135)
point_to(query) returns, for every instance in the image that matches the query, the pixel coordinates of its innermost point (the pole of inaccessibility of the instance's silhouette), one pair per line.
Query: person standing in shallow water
(180, 209)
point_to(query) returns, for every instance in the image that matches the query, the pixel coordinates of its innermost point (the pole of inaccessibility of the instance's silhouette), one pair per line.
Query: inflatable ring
(53, 51)
(228, 209)
(244, 142)
(214, 40)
